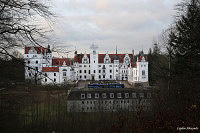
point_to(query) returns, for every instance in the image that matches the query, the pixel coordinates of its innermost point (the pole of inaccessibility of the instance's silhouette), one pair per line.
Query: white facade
(139, 73)
(94, 66)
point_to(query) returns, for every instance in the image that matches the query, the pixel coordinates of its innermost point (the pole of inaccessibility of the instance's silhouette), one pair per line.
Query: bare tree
(18, 23)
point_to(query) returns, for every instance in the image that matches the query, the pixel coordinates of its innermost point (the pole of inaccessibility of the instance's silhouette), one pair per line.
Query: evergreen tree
(185, 42)
(157, 65)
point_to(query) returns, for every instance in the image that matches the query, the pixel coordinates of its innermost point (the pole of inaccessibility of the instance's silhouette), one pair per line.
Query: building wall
(139, 73)
(109, 105)
(85, 71)
(51, 77)
(33, 65)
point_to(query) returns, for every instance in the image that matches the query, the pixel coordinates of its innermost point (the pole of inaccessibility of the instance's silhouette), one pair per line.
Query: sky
(127, 24)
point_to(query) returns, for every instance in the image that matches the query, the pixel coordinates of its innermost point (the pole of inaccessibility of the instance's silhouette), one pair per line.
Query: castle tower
(142, 68)
(94, 61)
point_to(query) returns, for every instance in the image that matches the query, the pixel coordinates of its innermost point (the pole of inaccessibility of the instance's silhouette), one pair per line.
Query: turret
(94, 61)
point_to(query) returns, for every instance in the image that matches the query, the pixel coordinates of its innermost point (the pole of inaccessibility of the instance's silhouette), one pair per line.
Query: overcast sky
(129, 24)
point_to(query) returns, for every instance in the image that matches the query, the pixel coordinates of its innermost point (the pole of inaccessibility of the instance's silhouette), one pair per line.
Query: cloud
(129, 24)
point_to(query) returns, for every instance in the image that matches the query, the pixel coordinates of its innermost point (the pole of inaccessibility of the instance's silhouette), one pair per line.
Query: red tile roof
(50, 69)
(38, 49)
(133, 64)
(78, 57)
(60, 61)
(140, 58)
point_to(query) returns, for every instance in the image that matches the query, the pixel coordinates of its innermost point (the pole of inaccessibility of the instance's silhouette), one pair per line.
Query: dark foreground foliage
(45, 111)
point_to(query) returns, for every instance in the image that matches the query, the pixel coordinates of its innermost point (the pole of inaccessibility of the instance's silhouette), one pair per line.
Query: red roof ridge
(50, 69)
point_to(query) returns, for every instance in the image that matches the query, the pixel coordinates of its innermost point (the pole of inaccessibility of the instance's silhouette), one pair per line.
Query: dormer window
(32, 51)
(107, 59)
(85, 59)
(127, 59)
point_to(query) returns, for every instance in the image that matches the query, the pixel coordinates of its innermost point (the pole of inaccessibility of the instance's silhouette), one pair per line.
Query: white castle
(41, 67)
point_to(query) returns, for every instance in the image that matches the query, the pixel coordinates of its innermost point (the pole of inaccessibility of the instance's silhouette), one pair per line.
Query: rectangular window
(29, 68)
(126, 95)
(104, 71)
(110, 76)
(103, 95)
(36, 62)
(111, 95)
(110, 71)
(99, 65)
(64, 74)
(96, 95)
(143, 72)
(119, 95)
(89, 95)
(45, 80)
(141, 95)
(85, 71)
(82, 96)
(29, 74)
(80, 65)
(94, 71)
(104, 76)
(99, 76)
(85, 76)
(99, 71)
(54, 74)
(80, 71)
(54, 80)
(134, 95)
(110, 65)
(89, 72)
(80, 76)
(84, 65)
